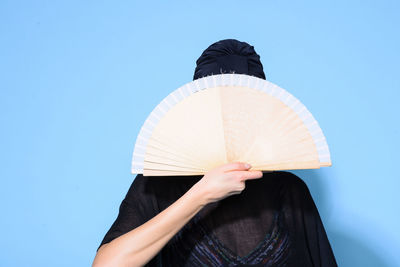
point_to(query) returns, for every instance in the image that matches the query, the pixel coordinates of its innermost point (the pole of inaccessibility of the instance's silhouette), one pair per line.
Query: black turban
(229, 56)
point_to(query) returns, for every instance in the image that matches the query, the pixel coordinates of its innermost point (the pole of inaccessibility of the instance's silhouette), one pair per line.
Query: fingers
(235, 166)
(247, 175)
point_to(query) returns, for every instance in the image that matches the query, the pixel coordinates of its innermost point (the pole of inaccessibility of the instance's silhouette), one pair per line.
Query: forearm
(140, 245)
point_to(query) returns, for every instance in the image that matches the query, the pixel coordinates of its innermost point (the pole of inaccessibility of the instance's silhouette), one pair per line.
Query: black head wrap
(229, 56)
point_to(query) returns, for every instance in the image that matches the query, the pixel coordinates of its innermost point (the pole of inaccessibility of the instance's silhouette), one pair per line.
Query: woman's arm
(141, 244)
(138, 246)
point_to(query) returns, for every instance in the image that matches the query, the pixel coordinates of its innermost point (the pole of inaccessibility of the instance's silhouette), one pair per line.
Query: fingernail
(248, 166)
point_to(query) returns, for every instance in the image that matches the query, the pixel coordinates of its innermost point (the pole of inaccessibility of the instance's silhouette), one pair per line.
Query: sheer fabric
(272, 222)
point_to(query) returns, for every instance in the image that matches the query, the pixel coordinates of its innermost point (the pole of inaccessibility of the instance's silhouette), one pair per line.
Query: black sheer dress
(272, 222)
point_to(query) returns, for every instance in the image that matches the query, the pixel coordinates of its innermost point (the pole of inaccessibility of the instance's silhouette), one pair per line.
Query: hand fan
(225, 118)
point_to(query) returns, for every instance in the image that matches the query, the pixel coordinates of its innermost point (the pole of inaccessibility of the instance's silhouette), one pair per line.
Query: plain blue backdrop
(78, 79)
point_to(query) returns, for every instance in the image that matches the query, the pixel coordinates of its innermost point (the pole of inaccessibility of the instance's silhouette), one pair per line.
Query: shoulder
(144, 183)
(140, 188)
(294, 191)
(160, 186)
(138, 183)
(291, 181)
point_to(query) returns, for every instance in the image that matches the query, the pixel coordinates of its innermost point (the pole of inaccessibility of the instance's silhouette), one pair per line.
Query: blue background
(78, 79)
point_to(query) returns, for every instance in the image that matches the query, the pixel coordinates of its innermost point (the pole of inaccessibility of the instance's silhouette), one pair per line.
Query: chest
(198, 244)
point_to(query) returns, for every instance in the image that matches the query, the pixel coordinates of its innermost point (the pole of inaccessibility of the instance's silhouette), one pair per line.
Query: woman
(231, 216)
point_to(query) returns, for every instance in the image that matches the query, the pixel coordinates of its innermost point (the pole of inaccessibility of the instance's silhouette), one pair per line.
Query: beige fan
(225, 118)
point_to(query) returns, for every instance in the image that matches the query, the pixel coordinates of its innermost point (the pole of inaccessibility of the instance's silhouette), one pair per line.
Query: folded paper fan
(226, 118)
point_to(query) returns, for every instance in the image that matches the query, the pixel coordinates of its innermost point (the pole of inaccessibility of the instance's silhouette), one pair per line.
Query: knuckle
(240, 176)
(242, 185)
(237, 165)
(256, 174)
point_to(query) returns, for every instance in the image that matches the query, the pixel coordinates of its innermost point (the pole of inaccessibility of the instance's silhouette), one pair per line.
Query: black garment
(272, 222)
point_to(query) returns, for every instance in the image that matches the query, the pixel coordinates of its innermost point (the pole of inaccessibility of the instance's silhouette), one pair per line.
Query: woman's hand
(226, 180)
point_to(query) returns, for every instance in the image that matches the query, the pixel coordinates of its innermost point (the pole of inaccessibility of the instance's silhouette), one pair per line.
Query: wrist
(199, 195)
